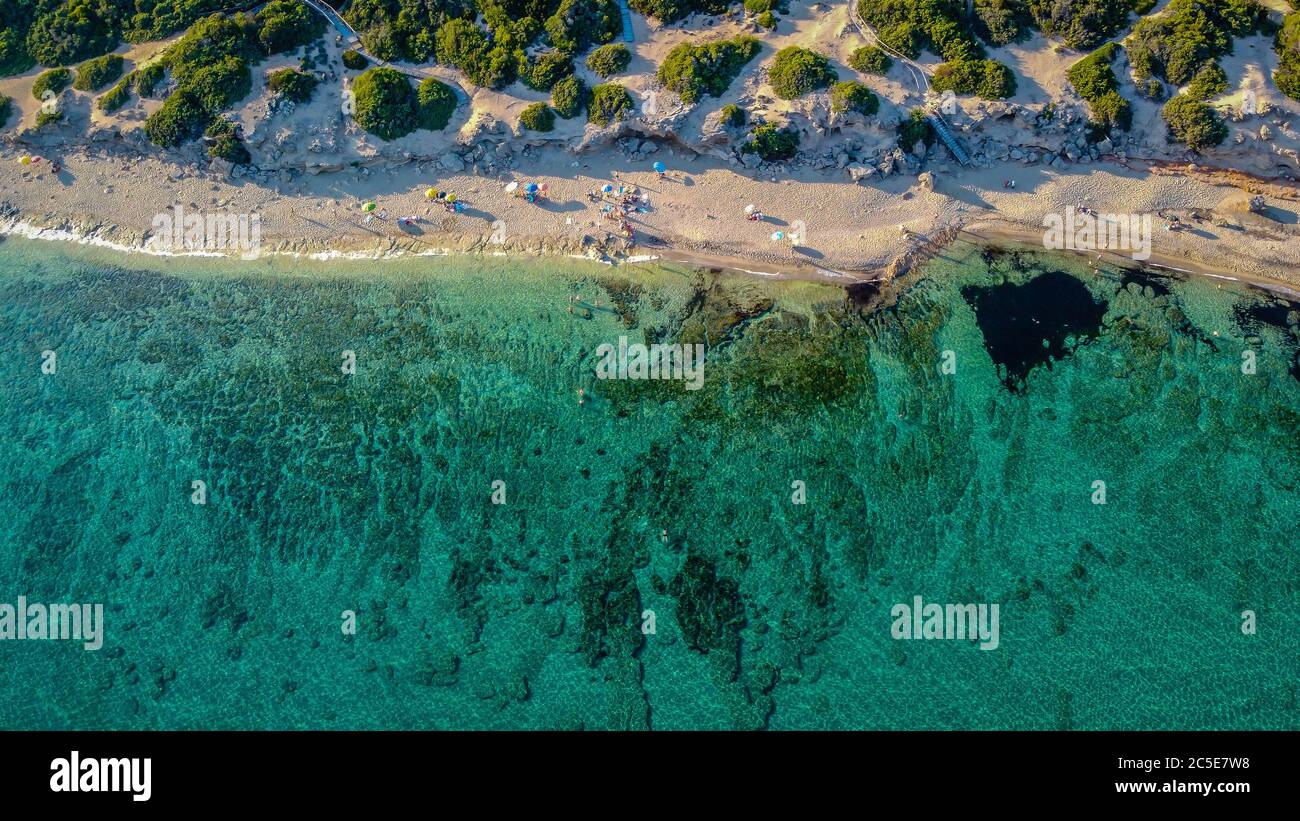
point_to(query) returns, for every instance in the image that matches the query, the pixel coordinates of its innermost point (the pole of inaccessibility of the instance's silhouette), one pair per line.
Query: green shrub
(537, 117)
(772, 143)
(436, 102)
(609, 60)
(115, 97)
(1175, 45)
(670, 11)
(292, 84)
(1287, 45)
(916, 128)
(400, 29)
(853, 96)
(223, 142)
(696, 70)
(731, 115)
(1193, 123)
(1083, 24)
(910, 25)
(569, 97)
(547, 69)
(1111, 111)
(146, 78)
(355, 60)
(1003, 21)
(72, 31)
(283, 25)
(796, 71)
(180, 118)
(870, 60)
(767, 20)
(93, 75)
(988, 79)
(577, 25)
(53, 81)
(6, 108)
(219, 85)
(904, 38)
(1092, 76)
(610, 102)
(1210, 81)
(46, 117)
(385, 103)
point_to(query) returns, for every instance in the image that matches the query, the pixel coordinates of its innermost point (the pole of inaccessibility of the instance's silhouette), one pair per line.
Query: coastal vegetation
(670, 11)
(609, 59)
(870, 60)
(851, 95)
(537, 117)
(115, 97)
(291, 84)
(355, 60)
(988, 79)
(1178, 43)
(386, 104)
(1287, 44)
(1095, 81)
(51, 82)
(773, 143)
(6, 108)
(146, 78)
(569, 97)
(796, 71)
(1193, 123)
(731, 115)
(610, 102)
(706, 69)
(96, 73)
(435, 103)
(916, 128)
(223, 141)
(210, 65)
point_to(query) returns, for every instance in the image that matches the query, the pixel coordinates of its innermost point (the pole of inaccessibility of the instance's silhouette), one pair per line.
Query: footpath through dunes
(344, 28)
(920, 79)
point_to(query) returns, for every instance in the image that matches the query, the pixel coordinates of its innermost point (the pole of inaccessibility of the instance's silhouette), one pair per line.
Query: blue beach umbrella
(531, 188)
(607, 188)
(660, 167)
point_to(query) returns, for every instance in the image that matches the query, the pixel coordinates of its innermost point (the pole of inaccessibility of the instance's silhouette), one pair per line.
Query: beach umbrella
(607, 188)
(431, 194)
(544, 187)
(451, 198)
(531, 188)
(749, 209)
(25, 160)
(370, 206)
(777, 236)
(660, 167)
(512, 187)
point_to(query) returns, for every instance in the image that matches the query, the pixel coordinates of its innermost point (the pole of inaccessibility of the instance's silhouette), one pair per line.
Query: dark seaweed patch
(1025, 326)
(1276, 313)
(1146, 279)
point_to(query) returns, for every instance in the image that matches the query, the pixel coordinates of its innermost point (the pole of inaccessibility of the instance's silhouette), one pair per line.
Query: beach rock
(452, 162)
(926, 180)
(858, 173)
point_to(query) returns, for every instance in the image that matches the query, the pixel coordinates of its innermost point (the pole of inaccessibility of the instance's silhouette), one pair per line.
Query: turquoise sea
(372, 493)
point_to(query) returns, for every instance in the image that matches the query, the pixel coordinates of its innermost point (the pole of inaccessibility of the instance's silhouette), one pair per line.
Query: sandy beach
(853, 206)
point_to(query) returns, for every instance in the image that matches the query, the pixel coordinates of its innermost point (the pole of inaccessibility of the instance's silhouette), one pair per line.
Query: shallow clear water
(372, 493)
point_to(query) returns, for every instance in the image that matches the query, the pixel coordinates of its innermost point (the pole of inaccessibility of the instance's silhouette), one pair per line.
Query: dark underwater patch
(1277, 313)
(1025, 326)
